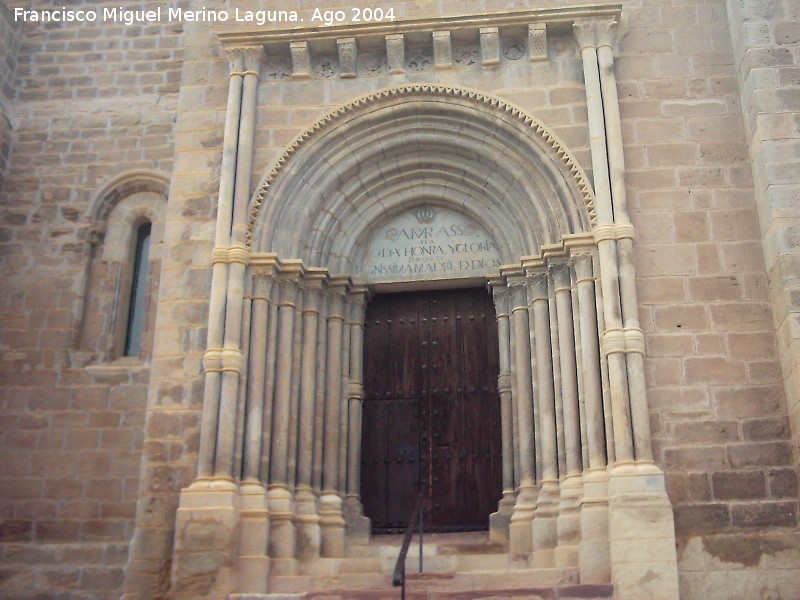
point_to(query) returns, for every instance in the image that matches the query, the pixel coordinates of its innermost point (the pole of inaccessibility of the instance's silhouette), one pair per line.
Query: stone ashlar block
(739, 485)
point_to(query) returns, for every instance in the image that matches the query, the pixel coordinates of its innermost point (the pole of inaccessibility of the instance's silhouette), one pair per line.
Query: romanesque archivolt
(549, 144)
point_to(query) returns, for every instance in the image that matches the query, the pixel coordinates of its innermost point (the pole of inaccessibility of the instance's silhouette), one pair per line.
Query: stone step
(419, 590)
(430, 580)
(440, 563)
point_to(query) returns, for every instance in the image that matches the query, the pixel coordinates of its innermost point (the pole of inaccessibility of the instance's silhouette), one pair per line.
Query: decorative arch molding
(124, 185)
(409, 145)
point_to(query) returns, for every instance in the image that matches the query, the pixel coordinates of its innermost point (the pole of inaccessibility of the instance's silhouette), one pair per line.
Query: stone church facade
(251, 275)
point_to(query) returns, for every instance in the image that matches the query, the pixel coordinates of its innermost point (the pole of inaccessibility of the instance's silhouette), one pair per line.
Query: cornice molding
(557, 19)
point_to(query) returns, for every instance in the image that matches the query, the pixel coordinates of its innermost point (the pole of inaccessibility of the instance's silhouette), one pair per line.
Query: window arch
(116, 310)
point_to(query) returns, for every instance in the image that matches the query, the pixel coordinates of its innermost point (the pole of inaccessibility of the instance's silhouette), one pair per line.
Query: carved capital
(253, 59)
(336, 297)
(539, 286)
(262, 285)
(288, 292)
(583, 267)
(561, 279)
(312, 295)
(606, 32)
(518, 293)
(594, 33)
(235, 60)
(95, 235)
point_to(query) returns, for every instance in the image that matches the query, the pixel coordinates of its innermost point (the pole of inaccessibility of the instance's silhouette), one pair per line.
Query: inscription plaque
(430, 242)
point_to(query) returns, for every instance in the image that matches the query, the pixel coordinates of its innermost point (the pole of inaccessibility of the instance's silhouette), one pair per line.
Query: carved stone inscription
(430, 242)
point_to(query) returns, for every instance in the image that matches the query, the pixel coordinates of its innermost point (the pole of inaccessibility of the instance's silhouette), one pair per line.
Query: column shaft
(333, 390)
(283, 385)
(219, 275)
(545, 534)
(592, 384)
(569, 371)
(257, 380)
(355, 397)
(520, 528)
(294, 397)
(269, 384)
(319, 404)
(308, 382)
(617, 370)
(544, 378)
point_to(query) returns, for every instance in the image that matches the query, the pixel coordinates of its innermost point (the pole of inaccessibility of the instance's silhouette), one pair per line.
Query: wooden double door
(431, 411)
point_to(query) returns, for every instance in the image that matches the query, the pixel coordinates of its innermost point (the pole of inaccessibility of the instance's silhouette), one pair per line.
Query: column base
(358, 526)
(253, 559)
(520, 543)
(307, 528)
(282, 527)
(500, 521)
(593, 553)
(641, 533)
(332, 524)
(206, 540)
(544, 530)
(568, 524)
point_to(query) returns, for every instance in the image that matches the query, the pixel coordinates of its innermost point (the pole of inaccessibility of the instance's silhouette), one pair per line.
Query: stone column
(209, 508)
(514, 398)
(319, 403)
(571, 485)
(636, 487)
(269, 383)
(219, 274)
(331, 519)
(544, 522)
(613, 342)
(281, 499)
(593, 552)
(634, 338)
(520, 543)
(344, 415)
(499, 521)
(306, 509)
(294, 396)
(238, 256)
(253, 560)
(358, 526)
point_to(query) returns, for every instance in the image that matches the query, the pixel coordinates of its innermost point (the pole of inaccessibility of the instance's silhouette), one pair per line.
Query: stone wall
(9, 46)
(766, 43)
(92, 102)
(88, 104)
(717, 400)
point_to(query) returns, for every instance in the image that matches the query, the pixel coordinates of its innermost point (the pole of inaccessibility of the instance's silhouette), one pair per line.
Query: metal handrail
(416, 516)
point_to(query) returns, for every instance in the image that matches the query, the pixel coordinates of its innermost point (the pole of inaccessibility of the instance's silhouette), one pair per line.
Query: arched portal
(411, 145)
(429, 173)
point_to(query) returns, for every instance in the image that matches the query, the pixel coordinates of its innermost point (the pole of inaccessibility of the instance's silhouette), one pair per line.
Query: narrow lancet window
(136, 311)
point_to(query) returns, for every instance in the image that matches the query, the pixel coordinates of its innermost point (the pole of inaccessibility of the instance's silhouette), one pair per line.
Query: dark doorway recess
(431, 409)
